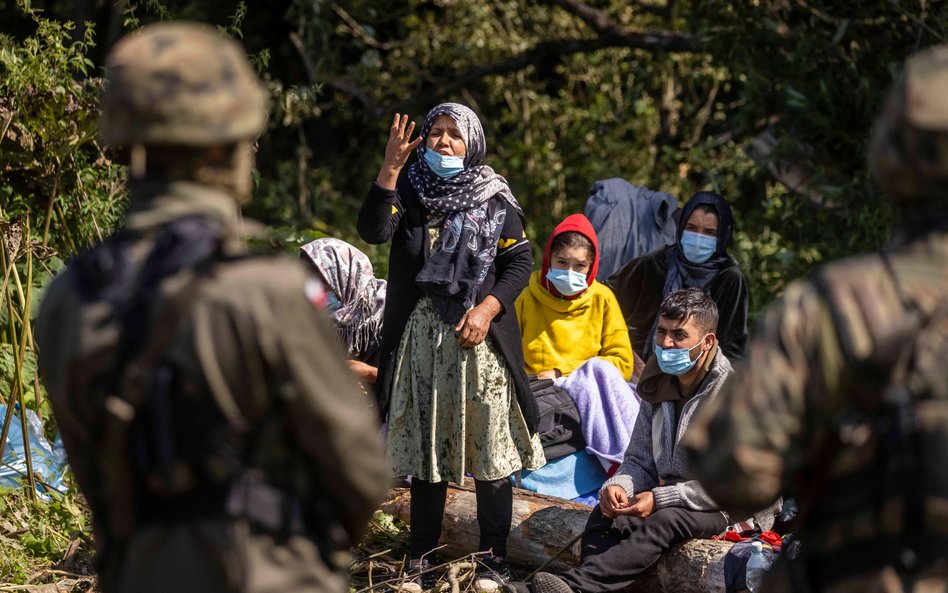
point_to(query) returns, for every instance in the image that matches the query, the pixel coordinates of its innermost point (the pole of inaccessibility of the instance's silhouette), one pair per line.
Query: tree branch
(549, 49)
(356, 29)
(602, 24)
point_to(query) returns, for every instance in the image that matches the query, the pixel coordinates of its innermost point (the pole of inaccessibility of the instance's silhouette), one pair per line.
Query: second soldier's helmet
(181, 84)
(909, 150)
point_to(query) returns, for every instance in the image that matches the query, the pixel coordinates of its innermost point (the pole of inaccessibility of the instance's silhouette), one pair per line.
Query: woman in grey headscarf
(355, 301)
(451, 372)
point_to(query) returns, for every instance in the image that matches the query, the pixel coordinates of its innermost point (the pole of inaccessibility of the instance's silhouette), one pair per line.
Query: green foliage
(53, 173)
(35, 536)
(58, 192)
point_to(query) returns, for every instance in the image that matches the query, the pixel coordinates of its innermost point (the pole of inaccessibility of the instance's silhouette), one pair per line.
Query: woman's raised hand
(397, 150)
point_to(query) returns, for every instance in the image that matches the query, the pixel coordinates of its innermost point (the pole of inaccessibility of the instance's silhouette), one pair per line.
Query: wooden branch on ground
(544, 525)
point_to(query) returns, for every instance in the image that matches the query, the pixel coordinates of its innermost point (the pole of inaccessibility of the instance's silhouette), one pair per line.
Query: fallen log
(546, 525)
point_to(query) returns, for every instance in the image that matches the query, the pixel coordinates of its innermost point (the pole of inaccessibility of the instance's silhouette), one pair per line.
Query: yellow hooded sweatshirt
(563, 334)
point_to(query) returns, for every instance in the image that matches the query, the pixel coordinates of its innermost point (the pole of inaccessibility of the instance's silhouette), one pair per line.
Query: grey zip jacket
(654, 461)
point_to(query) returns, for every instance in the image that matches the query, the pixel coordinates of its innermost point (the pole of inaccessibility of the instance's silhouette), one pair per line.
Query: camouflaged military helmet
(909, 151)
(180, 83)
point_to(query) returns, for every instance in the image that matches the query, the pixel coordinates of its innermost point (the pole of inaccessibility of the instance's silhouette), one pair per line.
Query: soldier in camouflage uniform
(843, 400)
(205, 407)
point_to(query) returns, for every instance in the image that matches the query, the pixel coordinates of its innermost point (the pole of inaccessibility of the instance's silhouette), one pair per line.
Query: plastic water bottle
(757, 565)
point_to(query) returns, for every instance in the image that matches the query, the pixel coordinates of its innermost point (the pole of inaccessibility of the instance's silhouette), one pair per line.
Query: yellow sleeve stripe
(505, 243)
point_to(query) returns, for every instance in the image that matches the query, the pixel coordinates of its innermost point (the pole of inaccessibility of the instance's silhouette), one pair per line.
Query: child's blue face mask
(443, 166)
(698, 248)
(567, 282)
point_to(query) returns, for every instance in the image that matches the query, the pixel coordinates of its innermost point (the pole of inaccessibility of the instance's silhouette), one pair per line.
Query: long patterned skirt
(454, 410)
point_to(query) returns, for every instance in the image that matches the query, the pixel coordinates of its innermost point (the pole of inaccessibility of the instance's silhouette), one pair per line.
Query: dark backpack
(558, 422)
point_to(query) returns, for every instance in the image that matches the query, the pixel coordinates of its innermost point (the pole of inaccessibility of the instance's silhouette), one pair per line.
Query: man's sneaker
(544, 582)
(493, 567)
(427, 579)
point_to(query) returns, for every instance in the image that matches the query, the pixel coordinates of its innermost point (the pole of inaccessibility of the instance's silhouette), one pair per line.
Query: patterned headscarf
(471, 187)
(348, 272)
(685, 274)
(455, 270)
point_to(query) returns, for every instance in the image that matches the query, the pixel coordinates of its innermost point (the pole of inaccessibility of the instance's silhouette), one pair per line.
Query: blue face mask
(676, 361)
(698, 248)
(567, 282)
(443, 166)
(332, 303)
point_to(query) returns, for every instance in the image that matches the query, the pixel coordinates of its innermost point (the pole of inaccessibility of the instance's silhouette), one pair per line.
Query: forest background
(768, 102)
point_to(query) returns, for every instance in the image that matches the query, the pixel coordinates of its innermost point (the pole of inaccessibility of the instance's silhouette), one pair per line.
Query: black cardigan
(639, 286)
(400, 217)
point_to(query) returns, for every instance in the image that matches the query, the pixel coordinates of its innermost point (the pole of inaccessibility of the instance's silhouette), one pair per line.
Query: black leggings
(494, 514)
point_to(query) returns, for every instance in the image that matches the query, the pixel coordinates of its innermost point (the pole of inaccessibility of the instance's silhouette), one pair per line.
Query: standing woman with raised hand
(451, 373)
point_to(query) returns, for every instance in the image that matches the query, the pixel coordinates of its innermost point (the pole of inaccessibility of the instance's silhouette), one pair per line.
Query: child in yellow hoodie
(573, 331)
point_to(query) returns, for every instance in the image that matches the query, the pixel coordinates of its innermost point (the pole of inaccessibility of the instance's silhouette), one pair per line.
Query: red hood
(580, 224)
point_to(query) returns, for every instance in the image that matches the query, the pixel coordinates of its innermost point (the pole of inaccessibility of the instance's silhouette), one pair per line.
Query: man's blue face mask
(567, 282)
(443, 166)
(676, 361)
(698, 248)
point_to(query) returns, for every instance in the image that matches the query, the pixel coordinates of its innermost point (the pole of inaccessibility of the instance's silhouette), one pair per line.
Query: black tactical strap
(187, 244)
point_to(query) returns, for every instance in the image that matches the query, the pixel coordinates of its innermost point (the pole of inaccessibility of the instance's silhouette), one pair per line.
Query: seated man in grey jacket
(649, 504)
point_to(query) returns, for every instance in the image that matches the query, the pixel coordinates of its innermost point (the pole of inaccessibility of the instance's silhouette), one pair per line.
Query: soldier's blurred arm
(330, 416)
(325, 413)
(746, 445)
(57, 334)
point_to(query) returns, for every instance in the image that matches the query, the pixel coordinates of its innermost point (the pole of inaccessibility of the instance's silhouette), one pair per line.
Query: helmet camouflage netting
(183, 84)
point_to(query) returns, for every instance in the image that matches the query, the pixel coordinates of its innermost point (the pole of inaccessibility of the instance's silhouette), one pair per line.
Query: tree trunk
(544, 525)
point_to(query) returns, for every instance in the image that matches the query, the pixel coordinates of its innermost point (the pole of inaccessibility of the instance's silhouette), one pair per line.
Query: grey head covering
(473, 220)
(474, 185)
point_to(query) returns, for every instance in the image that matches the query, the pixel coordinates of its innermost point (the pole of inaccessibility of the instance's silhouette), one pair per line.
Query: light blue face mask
(443, 166)
(676, 361)
(567, 282)
(698, 248)
(333, 303)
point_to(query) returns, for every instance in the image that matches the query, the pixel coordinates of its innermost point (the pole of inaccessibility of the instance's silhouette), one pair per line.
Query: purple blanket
(607, 408)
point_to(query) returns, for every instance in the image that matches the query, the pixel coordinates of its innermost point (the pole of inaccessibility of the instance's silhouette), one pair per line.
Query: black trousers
(616, 551)
(494, 514)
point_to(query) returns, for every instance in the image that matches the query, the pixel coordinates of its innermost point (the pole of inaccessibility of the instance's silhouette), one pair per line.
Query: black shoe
(427, 579)
(544, 582)
(493, 567)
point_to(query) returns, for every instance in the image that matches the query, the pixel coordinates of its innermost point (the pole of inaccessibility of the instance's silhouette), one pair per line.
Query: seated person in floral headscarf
(698, 259)
(355, 302)
(573, 331)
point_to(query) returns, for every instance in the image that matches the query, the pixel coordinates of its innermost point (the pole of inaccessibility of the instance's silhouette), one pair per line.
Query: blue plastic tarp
(48, 459)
